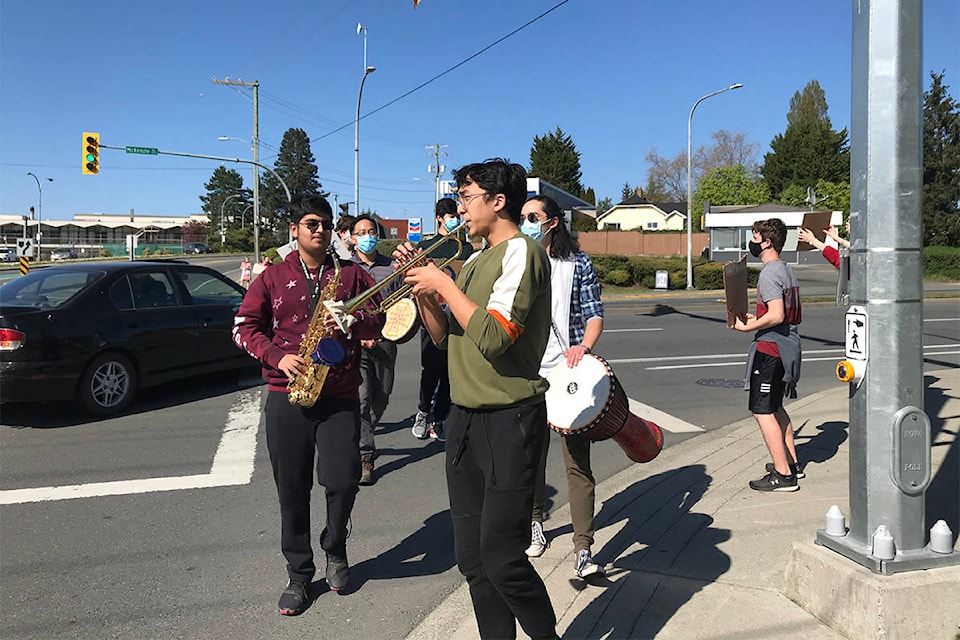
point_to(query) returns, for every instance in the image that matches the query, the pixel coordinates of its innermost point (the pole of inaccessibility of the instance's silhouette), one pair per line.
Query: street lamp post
(39, 210)
(367, 70)
(689, 200)
(223, 235)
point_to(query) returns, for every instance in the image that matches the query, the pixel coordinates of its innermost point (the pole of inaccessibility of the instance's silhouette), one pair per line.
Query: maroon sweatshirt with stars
(275, 314)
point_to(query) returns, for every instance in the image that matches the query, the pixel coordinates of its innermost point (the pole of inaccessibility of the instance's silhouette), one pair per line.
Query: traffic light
(91, 154)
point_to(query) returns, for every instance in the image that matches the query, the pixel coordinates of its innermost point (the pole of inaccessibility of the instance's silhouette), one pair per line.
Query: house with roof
(636, 213)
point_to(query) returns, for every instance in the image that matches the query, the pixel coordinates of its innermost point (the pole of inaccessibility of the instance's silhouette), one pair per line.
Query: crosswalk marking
(232, 465)
(664, 420)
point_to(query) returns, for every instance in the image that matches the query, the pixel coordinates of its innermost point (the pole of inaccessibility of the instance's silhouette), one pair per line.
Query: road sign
(25, 247)
(24, 265)
(855, 324)
(147, 151)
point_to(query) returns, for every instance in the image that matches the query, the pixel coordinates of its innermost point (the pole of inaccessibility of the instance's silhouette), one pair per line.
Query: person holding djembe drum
(577, 313)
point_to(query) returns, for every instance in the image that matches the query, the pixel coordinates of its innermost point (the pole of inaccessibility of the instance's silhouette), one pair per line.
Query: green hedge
(641, 271)
(943, 262)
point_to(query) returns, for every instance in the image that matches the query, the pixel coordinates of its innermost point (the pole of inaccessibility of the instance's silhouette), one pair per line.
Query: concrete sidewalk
(692, 552)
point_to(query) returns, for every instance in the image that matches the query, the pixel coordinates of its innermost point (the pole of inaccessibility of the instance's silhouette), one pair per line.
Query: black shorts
(766, 384)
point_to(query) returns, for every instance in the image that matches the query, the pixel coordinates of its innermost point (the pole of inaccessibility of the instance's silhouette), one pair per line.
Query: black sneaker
(338, 572)
(773, 481)
(294, 600)
(795, 468)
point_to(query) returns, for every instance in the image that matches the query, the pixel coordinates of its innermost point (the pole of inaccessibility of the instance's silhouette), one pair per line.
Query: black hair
(345, 223)
(310, 203)
(445, 206)
(773, 230)
(562, 244)
(362, 217)
(494, 176)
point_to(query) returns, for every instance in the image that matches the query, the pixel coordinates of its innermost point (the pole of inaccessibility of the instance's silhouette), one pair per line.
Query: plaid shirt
(587, 305)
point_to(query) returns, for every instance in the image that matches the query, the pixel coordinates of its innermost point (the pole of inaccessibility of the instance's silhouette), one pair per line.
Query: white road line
(232, 464)
(664, 420)
(632, 330)
(941, 319)
(742, 361)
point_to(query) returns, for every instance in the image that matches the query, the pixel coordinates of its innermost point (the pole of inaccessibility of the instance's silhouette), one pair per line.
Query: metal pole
(356, 142)
(689, 199)
(223, 238)
(39, 211)
(256, 171)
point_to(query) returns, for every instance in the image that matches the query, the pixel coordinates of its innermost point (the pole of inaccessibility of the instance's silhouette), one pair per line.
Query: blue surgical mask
(366, 243)
(451, 223)
(534, 230)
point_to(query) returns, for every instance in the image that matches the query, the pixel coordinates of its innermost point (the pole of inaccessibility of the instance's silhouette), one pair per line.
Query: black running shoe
(773, 481)
(338, 572)
(795, 469)
(294, 600)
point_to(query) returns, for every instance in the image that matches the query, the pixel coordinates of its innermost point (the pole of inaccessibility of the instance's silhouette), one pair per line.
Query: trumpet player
(495, 335)
(274, 318)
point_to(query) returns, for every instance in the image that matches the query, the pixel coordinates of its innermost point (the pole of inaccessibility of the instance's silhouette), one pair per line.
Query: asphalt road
(192, 556)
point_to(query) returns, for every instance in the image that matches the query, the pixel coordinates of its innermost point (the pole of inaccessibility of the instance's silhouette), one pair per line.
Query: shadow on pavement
(427, 551)
(662, 556)
(821, 446)
(941, 502)
(56, 415)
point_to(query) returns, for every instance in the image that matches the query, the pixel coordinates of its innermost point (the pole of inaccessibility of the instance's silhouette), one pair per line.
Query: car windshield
(46, 288)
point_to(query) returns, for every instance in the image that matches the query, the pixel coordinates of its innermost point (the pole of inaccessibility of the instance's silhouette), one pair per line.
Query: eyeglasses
(313, 225)
(368, 232)
(465, 198)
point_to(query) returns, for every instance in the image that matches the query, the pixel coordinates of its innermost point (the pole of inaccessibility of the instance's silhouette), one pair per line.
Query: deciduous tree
(728, 186)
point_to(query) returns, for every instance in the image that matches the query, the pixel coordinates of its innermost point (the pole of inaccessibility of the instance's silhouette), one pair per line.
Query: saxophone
(304, 390)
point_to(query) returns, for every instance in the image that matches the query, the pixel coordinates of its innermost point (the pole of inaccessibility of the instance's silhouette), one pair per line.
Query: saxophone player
(272, 321)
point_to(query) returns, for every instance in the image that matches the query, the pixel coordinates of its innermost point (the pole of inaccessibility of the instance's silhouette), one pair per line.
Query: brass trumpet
(422, 258)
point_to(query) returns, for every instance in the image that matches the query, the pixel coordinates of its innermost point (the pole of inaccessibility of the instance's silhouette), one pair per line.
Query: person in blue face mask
(434, 402)
(378, 357)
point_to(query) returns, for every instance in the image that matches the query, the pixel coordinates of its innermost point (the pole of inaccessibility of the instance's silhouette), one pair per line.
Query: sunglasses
(313, 225)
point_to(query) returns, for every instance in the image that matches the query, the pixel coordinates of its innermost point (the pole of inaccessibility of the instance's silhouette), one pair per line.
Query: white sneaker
(419, 429)
(586, 566)
(538, 541)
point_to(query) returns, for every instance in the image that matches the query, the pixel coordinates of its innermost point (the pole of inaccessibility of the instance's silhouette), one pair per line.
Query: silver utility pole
(367, 70)
(890, 455)
(437, 170)
(256, 154)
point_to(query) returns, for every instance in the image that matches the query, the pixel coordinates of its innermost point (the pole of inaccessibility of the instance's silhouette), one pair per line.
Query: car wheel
(107, 385)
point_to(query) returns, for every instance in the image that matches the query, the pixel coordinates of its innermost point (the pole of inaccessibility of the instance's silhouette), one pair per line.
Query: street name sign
(147, 151)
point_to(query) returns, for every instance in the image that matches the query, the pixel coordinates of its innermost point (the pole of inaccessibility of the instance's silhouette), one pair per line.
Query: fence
(630, 243)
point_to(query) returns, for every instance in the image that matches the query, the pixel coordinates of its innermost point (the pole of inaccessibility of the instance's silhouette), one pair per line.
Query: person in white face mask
(378, 358)
(577, 322)
(434, 399)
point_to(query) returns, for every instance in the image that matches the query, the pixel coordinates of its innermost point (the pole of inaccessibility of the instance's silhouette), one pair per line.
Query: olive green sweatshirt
(494, 362)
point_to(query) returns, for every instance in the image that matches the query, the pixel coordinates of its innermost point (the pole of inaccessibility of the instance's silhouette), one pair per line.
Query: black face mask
(755, 248)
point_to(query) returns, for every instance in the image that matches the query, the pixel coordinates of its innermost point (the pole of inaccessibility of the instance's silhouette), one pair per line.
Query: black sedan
(97, 332)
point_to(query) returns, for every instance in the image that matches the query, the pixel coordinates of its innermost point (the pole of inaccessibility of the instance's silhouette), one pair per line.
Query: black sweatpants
(328, 433)
(434, 378)
(492, 458)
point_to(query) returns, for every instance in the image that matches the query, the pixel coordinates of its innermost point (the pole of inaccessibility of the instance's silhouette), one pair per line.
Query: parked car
(196, 247)
(63, 253)
(8, 255)
(98, 332)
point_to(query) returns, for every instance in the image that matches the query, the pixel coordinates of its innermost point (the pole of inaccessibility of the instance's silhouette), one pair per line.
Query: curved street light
(689, 201)
(39, 210)
(256, 185)
(223, 234)
(356, 145)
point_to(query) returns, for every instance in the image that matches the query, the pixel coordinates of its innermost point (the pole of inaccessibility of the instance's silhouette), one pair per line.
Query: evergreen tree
(295, 164)
(941, 165)
(555, 158)
(809, 150)
(627, 191)
(225, 193)
(728, 186)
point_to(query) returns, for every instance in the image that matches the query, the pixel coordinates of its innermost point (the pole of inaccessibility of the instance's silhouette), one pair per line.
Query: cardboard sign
(817, 223)
(735, 290)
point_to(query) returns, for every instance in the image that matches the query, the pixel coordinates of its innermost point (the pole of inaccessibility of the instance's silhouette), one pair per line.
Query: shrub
(618, 278)
(146, 252)
(104, 253)
(941, 262)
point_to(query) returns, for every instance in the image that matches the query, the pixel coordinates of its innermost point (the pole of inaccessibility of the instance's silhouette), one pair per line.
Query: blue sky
(619, 76)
